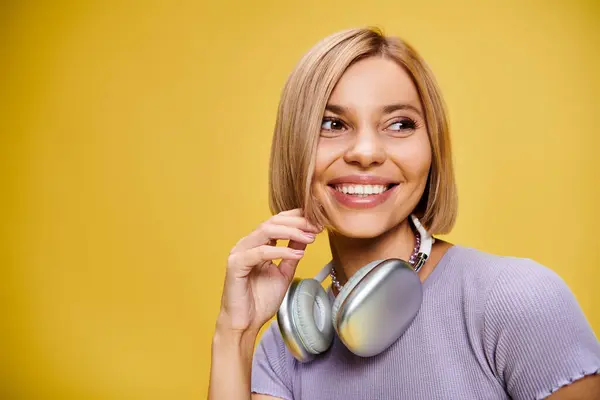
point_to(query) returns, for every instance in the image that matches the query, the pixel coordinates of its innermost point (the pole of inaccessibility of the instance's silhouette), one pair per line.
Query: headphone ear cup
(352, 282)
(311, 312)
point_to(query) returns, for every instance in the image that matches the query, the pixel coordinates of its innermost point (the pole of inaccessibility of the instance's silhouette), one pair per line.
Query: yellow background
(134, 154)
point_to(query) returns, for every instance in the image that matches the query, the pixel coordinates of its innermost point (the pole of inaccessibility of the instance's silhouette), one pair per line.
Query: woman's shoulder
(510, 291)
(499, 271)
(520, 292)
(474, 257)
(536, 337)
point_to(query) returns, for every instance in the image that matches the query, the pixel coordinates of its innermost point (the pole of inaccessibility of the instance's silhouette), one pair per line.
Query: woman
(361, 145)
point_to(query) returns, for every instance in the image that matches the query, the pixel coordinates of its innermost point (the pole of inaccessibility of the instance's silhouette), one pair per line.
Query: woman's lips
(361, 201)
(361, 180)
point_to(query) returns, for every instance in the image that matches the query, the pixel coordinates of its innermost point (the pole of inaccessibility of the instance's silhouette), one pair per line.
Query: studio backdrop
(135, 141)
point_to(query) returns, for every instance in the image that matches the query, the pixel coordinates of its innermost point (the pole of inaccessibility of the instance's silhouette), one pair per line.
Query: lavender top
(490, 327)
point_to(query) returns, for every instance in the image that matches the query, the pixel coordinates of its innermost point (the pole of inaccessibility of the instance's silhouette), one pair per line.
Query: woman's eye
(332, 124)
(403, 125)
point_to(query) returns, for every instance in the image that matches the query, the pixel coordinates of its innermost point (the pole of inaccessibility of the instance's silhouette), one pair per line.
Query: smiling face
(373, 154)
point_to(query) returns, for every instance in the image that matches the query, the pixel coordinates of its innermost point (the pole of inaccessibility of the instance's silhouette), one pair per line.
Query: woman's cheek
(413, 156)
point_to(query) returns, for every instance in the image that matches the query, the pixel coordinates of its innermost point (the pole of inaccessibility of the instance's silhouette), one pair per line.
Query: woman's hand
(255, 286)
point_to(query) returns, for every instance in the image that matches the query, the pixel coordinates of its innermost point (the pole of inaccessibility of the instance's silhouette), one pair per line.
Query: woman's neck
(350, 254)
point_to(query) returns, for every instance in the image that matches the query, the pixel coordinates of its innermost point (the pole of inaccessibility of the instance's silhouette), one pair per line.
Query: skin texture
(362, 134)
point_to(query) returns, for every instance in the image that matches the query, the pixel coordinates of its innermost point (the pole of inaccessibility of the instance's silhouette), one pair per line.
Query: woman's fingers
(269, 231)
(295, 222)
(296, 212)
(243, 262)
(288, 266)
(261, 245)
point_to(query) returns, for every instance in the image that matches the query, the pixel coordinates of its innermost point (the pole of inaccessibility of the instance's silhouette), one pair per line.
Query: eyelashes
(402, 125)
(332, 124)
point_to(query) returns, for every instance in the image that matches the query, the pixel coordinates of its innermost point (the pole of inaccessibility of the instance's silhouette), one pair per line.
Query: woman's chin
(361, 227)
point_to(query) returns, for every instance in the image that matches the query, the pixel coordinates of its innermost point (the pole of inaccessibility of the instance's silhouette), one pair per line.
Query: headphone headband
(426, 244)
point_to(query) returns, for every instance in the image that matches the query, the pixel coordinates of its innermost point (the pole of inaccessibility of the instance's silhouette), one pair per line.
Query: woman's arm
(587, 388)
(231, 365)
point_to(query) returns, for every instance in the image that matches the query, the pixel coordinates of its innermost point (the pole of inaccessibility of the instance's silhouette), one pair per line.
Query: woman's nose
(366, 149)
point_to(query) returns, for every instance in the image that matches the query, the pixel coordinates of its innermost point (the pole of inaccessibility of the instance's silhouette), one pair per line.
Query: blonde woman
(361, 148)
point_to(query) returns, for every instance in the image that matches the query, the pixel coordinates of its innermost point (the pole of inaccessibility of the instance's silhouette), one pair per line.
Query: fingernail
(316, 228)
(309, 235)
(299, 252)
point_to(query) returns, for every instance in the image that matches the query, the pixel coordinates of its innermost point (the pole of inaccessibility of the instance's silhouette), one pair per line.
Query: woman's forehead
(373, 84)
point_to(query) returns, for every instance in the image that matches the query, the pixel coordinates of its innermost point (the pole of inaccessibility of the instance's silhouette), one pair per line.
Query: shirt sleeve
(271, 366)
(536, 337)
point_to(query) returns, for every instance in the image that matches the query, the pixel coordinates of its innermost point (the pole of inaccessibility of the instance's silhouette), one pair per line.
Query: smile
(361, 191)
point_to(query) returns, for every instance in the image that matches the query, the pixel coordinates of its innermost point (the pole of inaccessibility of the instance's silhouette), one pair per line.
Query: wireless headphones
(371, 312)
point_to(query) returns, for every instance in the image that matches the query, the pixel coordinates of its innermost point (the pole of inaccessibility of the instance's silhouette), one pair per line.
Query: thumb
(288, 267)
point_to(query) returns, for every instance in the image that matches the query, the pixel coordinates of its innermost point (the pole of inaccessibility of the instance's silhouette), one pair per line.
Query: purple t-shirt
(489, 327)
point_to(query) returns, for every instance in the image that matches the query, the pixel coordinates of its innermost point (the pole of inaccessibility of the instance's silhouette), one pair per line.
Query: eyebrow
(337, 109)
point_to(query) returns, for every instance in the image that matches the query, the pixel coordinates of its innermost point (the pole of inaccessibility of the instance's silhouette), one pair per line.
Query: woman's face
(373, 155)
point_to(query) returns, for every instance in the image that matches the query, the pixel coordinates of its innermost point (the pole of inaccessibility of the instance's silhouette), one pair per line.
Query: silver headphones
(372, 311)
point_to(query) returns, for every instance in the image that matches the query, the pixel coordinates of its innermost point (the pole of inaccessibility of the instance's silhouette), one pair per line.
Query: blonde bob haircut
(300, 113)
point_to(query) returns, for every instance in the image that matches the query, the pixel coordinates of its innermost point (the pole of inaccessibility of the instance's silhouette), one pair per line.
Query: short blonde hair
(300, 114)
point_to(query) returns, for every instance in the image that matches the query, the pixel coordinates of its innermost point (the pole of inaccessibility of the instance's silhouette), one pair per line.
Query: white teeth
(361, 190)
